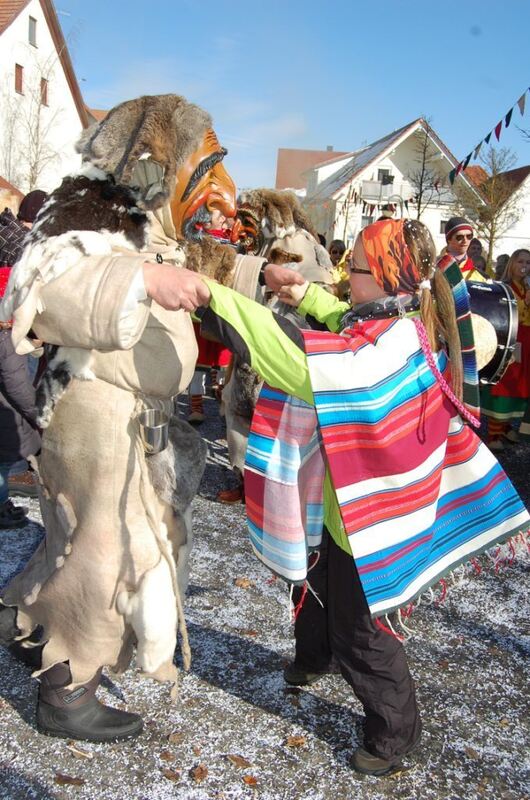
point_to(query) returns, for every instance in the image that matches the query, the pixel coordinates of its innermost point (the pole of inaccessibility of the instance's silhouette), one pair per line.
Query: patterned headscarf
(389, 257)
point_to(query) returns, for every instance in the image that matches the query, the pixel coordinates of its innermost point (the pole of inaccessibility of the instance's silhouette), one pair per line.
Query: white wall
(59, 122)
(518, 234)
(401, 162)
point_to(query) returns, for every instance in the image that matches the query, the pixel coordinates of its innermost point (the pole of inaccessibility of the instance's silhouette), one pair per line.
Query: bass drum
(495, 302)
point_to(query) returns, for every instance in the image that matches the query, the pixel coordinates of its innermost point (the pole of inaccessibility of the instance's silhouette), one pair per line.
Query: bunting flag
(462, 165)
(498, 127)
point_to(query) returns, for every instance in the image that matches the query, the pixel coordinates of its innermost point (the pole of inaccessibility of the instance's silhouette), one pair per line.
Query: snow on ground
(239, 732)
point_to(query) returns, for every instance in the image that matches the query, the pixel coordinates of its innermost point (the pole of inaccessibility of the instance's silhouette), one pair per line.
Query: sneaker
(512, 436)
(12, 516)
(496, 445)
(231, 496)
(24, 484)
(364, 762)
(300, 676)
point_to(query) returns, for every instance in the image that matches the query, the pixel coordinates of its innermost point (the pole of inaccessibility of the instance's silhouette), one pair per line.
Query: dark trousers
(371, 660)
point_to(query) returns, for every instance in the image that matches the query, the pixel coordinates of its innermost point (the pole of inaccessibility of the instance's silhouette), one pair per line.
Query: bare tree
(496, 207)
(424, 178)
(28, 124)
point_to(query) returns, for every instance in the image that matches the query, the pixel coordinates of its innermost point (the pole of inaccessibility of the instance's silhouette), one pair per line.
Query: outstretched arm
(312, 300)
(269, 343)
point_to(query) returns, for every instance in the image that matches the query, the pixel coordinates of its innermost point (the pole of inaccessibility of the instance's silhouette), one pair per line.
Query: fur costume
(272, 224)
(113, 566)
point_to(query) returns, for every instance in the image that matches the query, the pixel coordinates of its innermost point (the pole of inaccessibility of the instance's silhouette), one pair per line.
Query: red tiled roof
(292, 163)
(9, 11)
(97, 114)
(476, 174)
(517, 175)
(10, 188)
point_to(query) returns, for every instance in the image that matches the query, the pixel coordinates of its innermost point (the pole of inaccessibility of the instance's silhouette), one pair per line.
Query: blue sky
(311, 74)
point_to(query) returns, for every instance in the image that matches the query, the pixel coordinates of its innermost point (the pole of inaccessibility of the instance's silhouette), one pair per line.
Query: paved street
(237, 731)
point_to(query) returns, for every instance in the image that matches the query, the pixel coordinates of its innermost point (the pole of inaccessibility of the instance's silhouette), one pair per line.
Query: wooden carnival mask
(202, 185)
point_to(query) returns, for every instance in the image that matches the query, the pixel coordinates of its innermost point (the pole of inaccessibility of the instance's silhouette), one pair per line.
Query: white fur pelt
(154, 610)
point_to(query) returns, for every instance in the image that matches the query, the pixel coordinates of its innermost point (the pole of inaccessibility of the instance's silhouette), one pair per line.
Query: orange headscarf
(389, 257)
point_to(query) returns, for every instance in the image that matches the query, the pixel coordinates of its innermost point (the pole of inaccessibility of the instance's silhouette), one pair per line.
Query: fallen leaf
(78, 752)
(243, 583)
(504, 722)
(248, 632)
(238, 761)
(166, 755)
(197, 750)
(171, 774)
(176, 737)
(68, 780)
(443, 663)
(199, 773)
(471, 753)
(295, 741)
(250, 780)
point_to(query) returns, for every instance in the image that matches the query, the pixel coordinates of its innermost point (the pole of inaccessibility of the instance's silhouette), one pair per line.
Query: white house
(407, 170)
(42, 110)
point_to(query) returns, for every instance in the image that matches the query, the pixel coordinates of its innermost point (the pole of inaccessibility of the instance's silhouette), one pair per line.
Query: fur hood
(278, 213)
(143, 142)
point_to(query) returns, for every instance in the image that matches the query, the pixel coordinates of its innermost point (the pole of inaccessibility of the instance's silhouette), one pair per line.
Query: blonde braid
(437, 307)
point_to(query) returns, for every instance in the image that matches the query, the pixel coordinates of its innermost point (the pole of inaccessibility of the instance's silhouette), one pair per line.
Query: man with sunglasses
(458, 235)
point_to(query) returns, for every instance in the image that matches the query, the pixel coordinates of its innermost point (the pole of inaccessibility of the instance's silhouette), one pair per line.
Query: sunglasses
(463, 237)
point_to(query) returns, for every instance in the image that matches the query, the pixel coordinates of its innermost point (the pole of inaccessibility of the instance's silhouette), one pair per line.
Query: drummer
(505, 403)
(459, 235)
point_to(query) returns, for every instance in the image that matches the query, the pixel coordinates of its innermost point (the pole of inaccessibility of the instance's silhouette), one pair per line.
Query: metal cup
(154, 430)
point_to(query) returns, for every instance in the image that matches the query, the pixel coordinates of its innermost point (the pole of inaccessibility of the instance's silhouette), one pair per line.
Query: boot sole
(62, 734)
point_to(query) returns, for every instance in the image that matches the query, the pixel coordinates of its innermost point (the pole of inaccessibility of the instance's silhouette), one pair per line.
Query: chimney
(329, 148)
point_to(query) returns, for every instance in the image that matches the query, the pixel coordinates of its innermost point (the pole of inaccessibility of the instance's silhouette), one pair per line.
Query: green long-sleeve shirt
(274, 348)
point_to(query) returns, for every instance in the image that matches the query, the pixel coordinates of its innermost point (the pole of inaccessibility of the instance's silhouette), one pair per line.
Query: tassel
(298, 607)
(388, 628)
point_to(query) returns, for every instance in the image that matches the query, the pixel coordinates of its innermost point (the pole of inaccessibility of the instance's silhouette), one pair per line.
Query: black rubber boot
(77, 713)
(8, 628)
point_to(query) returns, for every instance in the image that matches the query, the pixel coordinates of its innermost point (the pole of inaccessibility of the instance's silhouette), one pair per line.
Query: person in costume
(361, 454)
(459, 236)
(506, 402)
(102, 281)
(273, 225)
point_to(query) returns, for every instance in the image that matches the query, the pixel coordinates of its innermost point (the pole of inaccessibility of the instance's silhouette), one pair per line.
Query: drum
(496, 303)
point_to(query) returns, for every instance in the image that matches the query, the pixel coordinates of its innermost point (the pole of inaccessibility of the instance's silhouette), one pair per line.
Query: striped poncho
(418, 492)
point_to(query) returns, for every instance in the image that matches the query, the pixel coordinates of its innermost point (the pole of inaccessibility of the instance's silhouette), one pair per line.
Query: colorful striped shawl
(418, 492)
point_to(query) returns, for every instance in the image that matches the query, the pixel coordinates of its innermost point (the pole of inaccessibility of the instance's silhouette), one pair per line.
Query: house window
(19, 79)
(382, 174)
(366, 221)
(32, 31)
(44, 91)
(443, 223)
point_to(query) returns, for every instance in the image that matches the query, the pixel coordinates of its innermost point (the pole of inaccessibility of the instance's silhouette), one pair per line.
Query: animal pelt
(91, 202)
(270, 214)
(279, 256)
(152, 613)
(176, 472)
(246, 388)
(211, 258)
(164, 129)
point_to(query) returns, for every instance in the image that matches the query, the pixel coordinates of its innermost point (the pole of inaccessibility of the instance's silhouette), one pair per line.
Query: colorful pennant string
(497, 130)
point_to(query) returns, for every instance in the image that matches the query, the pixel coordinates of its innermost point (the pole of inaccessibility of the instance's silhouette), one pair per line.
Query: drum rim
(507, 351)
